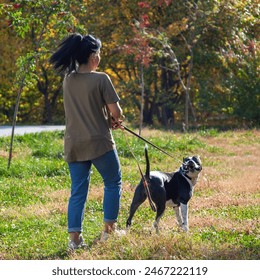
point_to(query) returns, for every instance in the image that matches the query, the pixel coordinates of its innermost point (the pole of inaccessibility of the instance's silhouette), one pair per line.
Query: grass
(224, 212)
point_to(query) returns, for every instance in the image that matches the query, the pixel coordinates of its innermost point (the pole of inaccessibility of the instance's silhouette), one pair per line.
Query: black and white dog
(168, 189)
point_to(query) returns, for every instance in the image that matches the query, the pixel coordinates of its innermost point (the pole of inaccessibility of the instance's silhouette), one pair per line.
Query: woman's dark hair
(74, 49)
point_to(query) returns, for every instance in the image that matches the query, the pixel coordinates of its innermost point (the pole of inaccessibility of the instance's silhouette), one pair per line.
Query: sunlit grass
(224, 212)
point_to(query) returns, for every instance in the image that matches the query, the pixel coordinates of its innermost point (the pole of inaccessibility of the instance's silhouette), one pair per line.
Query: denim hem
(110, 221)
(74, 230)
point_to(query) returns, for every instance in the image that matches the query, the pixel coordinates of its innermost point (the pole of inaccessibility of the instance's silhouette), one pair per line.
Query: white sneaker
(74, 246)
(120, 232)
(105, 235)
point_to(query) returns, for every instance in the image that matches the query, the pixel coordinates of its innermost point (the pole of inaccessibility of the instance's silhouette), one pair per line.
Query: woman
(91, 109)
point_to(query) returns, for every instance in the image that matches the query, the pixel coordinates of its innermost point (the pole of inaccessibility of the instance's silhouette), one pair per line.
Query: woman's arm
(115, 110)
(116, 114)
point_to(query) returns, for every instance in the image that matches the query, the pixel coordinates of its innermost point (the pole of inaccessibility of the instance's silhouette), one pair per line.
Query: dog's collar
(187, 176)
(184, 174)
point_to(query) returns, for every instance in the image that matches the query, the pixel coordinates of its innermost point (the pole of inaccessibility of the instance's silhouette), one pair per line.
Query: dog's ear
(185, 159)
(197, 159)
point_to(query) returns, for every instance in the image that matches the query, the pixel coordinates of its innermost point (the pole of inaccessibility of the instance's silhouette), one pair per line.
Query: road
(20, 130)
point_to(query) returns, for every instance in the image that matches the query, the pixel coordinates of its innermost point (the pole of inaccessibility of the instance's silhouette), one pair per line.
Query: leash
(145, 140)
(145, 183)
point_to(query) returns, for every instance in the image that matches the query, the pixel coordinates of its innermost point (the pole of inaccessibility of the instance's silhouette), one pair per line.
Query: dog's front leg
(184, 214)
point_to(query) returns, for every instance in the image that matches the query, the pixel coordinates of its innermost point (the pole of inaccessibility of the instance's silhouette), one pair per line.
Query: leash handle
(145, 140)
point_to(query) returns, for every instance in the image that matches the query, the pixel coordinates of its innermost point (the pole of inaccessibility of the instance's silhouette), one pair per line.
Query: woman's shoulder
(98, 75)
(102, 77)
(101, 74)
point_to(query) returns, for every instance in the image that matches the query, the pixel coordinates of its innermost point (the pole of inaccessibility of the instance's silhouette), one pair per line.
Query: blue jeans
(108, 166)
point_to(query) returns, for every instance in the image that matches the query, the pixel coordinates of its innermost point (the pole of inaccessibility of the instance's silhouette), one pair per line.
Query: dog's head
(191, 166)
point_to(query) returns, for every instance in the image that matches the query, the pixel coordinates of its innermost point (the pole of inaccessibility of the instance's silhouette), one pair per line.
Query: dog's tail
(147, 172)
(146, 179)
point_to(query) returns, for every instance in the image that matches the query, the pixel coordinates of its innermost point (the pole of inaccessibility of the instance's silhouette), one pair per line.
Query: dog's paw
(185, 228)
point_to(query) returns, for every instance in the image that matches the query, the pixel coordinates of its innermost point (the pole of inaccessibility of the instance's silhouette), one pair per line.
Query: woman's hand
(116, 123)
(116, 114)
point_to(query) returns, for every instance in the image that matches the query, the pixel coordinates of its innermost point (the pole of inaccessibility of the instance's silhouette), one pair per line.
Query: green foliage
(244, 90)
(40, 25)
(215, 44)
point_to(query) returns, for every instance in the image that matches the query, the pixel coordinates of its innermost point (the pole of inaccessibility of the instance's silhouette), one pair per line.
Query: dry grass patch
(57, 204)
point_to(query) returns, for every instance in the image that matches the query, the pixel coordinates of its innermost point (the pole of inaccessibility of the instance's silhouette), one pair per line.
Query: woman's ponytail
(74, 49)
(64, 58)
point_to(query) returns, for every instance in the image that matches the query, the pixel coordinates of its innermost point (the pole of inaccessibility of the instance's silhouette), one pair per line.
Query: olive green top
(88, 134)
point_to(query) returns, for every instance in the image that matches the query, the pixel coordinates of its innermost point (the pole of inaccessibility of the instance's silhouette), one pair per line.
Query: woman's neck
(85, 68)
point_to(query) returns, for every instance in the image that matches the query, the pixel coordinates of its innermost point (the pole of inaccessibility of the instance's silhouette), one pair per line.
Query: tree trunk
(47, 114)
(142, 99)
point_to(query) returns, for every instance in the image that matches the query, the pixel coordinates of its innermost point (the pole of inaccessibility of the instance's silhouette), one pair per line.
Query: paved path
(20, 130)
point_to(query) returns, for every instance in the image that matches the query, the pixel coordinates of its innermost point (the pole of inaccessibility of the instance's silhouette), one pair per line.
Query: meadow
(224, 211)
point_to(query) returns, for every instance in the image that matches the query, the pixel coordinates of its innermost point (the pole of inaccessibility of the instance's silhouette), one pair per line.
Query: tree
(231, 24)
(165, 51)
(244, 82)
(209, 39)
(43, 25)
(139, 47)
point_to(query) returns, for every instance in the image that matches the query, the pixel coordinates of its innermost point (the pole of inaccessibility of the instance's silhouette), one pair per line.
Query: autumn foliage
(208, 49)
